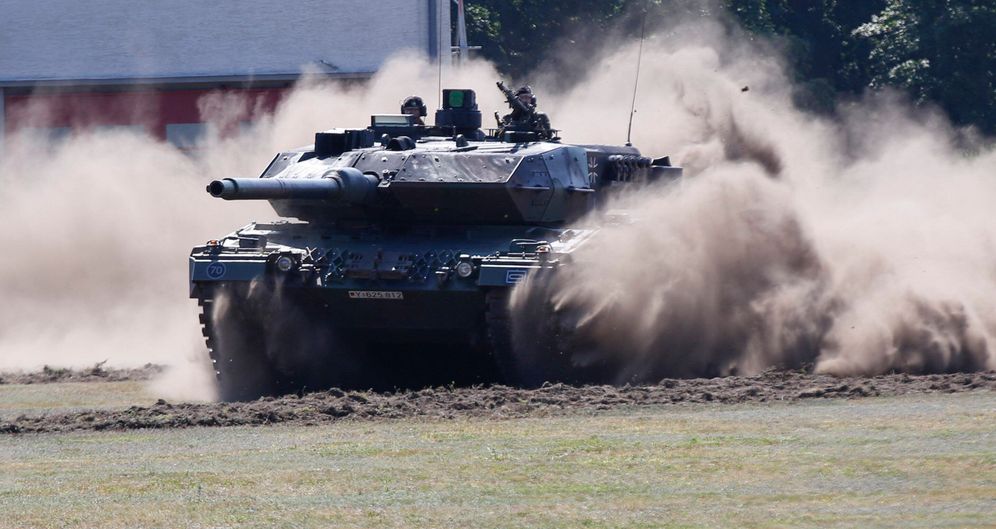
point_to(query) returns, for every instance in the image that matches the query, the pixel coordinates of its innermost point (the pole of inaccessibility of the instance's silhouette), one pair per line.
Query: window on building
(134, 129)
(185, 135)
(49, 134)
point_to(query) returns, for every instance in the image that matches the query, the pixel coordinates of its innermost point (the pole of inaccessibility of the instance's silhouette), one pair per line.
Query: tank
(396, 251)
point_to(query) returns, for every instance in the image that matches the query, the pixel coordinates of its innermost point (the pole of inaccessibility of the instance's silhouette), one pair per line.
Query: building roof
(60, 41)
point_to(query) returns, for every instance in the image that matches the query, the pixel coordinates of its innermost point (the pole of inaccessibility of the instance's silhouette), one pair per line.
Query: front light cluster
(284, 263)
(464, 269)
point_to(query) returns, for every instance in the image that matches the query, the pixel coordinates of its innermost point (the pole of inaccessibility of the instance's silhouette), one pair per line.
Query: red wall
(151, 108)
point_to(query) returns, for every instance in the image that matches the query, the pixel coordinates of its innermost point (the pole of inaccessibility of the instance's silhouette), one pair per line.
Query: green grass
(923, 461)
(34, 399)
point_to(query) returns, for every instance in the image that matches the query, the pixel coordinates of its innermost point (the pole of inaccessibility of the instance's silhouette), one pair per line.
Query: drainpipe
(3, 120)
(462, 33)
(433, 29)
(440, 35)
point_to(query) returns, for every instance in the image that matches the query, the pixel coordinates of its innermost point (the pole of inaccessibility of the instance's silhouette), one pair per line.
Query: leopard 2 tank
(396, 241)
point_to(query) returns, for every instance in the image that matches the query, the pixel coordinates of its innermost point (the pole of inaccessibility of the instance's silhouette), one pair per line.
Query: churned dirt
(96, 373)
(498, 402)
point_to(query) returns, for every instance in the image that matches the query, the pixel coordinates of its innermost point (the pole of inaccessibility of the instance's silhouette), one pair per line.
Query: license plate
(375, 294)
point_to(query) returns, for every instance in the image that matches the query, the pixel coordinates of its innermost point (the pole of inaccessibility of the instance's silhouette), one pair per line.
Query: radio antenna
(439, 57)
(636, 82)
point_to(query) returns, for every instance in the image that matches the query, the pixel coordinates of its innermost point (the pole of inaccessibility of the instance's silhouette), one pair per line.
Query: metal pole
(441, 17)
(3, 120)
(462, 32)
(433, 20)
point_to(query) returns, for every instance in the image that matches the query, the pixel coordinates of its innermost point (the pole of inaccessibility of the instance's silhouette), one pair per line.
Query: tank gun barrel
(347, 184)
(274, 188)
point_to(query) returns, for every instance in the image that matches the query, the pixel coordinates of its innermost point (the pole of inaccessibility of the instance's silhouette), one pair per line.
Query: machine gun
(524, 123)
(514, 101)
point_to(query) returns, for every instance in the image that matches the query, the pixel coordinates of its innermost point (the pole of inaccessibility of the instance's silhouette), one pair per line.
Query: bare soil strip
(96, 373)
(498, 402)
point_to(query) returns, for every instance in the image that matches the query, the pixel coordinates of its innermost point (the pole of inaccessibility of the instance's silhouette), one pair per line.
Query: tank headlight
(284, 263)
(464, 269)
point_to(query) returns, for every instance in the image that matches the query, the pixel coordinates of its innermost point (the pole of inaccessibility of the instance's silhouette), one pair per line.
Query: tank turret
(438, 175)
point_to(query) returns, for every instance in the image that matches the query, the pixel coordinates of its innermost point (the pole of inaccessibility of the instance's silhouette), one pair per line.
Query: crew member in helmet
(527, 119)
(414, 106)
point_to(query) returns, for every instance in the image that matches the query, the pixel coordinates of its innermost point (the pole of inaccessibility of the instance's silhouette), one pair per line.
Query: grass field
(916, 461)
(31, 399)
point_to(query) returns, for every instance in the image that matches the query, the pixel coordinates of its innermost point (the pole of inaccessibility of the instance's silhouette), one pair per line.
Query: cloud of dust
(96, 232)
(97, 227)
(864, 244)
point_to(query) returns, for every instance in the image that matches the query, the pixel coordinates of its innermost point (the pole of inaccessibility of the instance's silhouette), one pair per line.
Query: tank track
(236, 350)
(266, 344)
(205, 317)
(538, 347)
(528, 350)
(499, 334)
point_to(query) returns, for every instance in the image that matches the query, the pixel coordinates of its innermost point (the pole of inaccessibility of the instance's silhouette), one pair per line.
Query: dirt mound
(96, 373)
(498, 402)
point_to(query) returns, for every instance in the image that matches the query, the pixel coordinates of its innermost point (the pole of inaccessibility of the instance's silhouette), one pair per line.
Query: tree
(516, 35)
(941, 51)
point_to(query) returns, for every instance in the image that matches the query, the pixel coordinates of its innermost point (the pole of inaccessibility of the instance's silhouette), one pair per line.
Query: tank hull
(362, 306)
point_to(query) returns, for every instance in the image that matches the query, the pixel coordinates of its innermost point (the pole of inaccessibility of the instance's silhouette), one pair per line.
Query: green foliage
(515, 33)
(939, 51)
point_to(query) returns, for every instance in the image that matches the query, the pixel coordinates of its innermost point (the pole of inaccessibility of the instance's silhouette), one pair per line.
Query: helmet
(414, 102)
(526, 89)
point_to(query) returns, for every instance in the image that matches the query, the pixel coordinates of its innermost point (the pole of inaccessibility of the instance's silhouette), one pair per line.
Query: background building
(67, 65)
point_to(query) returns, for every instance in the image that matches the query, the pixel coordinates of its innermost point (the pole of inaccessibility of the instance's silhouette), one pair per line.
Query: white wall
(99, 39)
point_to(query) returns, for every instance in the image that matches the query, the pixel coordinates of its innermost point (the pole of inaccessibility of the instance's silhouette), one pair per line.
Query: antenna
(439, 54)
(636, 82)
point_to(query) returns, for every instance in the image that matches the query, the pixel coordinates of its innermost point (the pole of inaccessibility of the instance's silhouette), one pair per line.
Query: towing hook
(443, 275)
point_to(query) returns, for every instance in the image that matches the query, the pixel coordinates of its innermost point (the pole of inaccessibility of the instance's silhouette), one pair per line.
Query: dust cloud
(96, 229)
(98, 226)
(863, 244)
